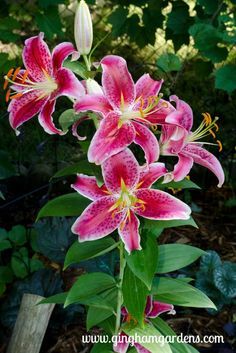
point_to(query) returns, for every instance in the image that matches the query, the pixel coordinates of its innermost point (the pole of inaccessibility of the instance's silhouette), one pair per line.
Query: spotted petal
(147, 87)
(122, 344)
(37, 57)
(45, 118)
(129, 232)
(182, 116)
(60, 53)
(159, 308)
(25, 107)
(140, 348)
(110, 139)
(117, 82)
(160, 205)
(96, 103)
(148, 141)
(88, 187)
(122, 167)
(183, 167)
(68, 84)
(98, 220)
(150, 174)
(206, 159)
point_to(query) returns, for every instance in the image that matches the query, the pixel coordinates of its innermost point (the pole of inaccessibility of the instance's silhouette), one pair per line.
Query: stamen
(220, 145)
(17, 95)
(8, 75)
(212, 133)
(15, 74)
(24, 77)
(154, 128)
(216, 127)
(8, 95)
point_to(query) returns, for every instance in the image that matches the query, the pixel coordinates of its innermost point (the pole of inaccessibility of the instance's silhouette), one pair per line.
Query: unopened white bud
(93, 87)
(83, 29)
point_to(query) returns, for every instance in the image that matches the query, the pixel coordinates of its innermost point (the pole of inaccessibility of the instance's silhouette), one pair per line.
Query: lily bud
(83, 28)
(93, 87)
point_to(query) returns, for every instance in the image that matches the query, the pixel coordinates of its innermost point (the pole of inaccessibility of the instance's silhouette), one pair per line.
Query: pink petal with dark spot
(110, 139)
(147, 141)
(45, 118)
(183, 167)
(206, 159)
(147, 87)
(151, 173)
(37, 57)
(117, 81)
(129, 233)
(68, 84)
(160, 205)
(141, 349)
(183, 116)
(88, 187)
(96, 103)
(98, 220)
(122, 166)
(159, 308)
(60, 53)
(25, 107)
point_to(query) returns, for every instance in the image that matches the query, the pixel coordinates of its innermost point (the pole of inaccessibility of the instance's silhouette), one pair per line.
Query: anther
(8, 95)
(212, 133)
(16, 73)
(220, 145)
(25, 76)
(17, 95)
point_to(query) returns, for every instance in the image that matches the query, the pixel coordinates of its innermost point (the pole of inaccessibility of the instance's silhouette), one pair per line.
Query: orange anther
(17, 95)
(220, 145)
(10, 72)
(5, 84)
(8, 95)
(15, 73)
(212, 133)
(217, 127)
(25, 76)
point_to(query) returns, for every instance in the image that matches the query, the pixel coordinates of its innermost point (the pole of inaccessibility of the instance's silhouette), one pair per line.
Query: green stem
(87, 62)
(120, 296)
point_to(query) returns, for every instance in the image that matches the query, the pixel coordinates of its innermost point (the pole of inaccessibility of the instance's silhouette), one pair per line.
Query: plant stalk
(120, 296)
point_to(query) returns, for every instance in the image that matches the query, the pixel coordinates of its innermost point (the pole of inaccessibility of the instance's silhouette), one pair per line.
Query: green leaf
(77, 68)
(89, 285)
(183, 184)
(20, 264)
(66, 205)
(83, 251)
(209, 262)
(216, 54)
(135, 295)
(118, 19)
(68, 118)
(158, 344)
(5, 244)
(225, 78)
(6, 168)
(59, 298)
(205, 36)
(209, 6)
(3, 234)
(83, 166)
(177, 292)
(169, 62)
(2, 288)
(225, 279)
(49, 22)
(158, 226)
(18, 235)
(6, 275)
(172, 257)
(102, 348)
(35, 265)
(143, 263)
(96, 315)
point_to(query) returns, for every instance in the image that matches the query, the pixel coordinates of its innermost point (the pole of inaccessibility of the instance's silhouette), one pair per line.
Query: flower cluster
(127, 112)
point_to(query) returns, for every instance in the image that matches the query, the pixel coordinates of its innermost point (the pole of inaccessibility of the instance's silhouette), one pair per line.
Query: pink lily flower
(128, 110)
(177, 139)
(125, 193)
(152, 310)
(36, 89)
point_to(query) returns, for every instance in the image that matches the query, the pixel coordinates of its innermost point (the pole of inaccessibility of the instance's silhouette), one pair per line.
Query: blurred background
(189, 44)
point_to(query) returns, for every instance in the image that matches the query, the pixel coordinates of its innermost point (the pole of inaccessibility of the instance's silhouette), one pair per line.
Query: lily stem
(87, 62)
(120, 295)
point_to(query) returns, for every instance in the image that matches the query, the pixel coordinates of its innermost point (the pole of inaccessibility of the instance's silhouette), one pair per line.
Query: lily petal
(121, 167)
(150, 174)
(45, 118)
(97, 220)
(147, 87)
(206, 159)
(141, 349)
(160, 205)
(148, 141)
(122, 344)
(96, 102)
(129, 233)
(183, 167)
(68, 84)
(110, 139)
(149, 305)
(37, 57)
(159, 308)
(25, 107)
(60, 53)
(117, 82)
(183, 116)
(88, 187)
